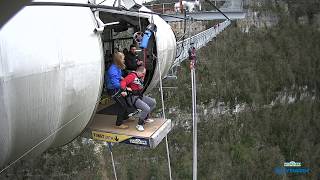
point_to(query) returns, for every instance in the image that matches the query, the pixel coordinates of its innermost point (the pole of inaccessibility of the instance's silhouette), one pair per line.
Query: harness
(117, 97)
(133, 93)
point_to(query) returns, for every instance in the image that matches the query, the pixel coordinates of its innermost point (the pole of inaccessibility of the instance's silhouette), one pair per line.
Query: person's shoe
(149, 121)
(140, 128)
(123, 126)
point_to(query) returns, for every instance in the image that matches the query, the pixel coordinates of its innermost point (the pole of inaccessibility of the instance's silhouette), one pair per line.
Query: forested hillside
(258, 105)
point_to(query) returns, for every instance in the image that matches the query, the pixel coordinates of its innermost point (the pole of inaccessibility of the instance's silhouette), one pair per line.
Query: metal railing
(199, 40)
(227, 6)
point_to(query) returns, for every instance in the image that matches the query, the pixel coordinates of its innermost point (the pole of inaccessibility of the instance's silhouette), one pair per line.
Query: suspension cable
(184, 33)
(218, 9)
(113, 165)
(164, 116)
(101, 2)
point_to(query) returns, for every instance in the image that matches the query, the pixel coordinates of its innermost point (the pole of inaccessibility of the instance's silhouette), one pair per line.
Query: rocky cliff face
(263, 13)
(192, 28)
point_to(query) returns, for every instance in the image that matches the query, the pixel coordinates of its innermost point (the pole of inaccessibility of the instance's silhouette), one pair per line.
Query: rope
(139, 21)
(114, 3)
(101, 2)
(113, 165)
(164, 116)
(152, 20)
(35, 146)
(144, 50)
(168, 157)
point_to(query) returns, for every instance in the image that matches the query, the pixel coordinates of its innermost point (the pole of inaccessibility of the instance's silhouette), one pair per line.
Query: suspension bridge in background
(232, 9)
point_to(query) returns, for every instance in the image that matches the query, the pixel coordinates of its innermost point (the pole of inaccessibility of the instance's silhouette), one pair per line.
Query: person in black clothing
(131, 59)
(125, 51)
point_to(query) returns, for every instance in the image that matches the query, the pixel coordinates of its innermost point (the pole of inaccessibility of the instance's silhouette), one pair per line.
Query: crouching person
(132, 84)
(113, 77)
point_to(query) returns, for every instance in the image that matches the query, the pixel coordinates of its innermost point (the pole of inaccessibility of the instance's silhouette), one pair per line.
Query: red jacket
(132, 81)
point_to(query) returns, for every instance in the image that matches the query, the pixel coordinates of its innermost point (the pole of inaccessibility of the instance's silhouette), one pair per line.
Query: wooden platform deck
(103, 128)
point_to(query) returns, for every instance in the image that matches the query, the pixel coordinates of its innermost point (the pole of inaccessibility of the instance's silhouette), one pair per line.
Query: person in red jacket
(133, 84)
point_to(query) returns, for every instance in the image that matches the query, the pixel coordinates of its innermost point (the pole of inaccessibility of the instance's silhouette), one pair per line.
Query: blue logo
(292, 168)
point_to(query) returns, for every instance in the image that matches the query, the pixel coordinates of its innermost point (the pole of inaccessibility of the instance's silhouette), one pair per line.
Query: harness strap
(127, 102)
(136, 93)
(133, 72)
(134, 102)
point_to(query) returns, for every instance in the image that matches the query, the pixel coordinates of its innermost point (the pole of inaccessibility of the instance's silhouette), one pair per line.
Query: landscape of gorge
(258, 107)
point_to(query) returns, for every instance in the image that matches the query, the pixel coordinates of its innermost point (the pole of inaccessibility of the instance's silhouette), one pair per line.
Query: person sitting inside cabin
(132, 85)
(132, 62)
(125, 52)
(113, 77)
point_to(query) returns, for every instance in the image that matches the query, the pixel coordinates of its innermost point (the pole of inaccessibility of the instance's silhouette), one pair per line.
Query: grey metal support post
(193, 62)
